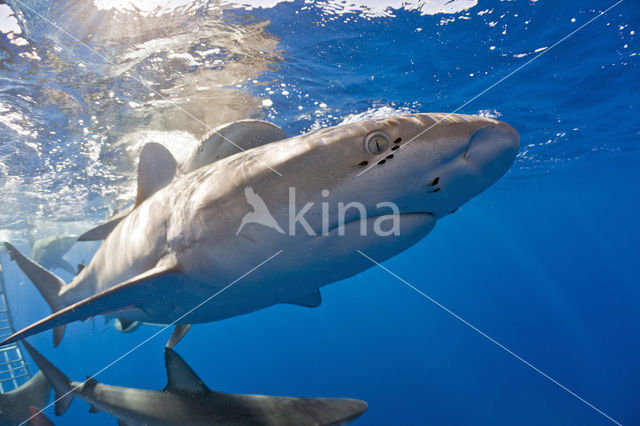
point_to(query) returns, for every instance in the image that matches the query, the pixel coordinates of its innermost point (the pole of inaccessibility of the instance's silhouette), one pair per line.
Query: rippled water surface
(545, 262)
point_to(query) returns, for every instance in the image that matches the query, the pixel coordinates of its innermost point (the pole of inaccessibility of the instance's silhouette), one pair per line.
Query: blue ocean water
(544, 262)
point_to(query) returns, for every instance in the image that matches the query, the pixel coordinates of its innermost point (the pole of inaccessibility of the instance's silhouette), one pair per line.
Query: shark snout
(493, 148)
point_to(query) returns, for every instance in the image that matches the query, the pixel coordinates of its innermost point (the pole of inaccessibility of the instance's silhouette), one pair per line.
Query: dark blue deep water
(545, 262)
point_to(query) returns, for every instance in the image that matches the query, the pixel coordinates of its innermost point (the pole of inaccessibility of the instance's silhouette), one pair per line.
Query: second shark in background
(186, 400)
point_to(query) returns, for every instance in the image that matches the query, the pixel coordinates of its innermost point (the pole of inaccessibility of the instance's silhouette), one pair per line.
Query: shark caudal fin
(61, 384)
(47, 283)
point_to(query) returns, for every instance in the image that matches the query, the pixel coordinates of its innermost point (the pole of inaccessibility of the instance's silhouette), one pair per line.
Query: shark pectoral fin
(309, 300)
(101, 232)
(230, 139)
(180, 377)
(38, 418)
(116, 298)
(156, 169)
(60, 383)
(177, 335)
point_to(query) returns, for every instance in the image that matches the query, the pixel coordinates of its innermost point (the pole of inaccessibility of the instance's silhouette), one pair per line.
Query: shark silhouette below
(186, 400)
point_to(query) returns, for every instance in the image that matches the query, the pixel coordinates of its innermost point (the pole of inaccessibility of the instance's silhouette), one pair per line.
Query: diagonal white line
(486, 336)
(139, 80)
(136, 347)
(498, 82)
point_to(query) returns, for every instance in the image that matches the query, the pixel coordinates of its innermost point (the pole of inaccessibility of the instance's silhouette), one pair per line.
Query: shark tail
(49, 285)
(61, 384)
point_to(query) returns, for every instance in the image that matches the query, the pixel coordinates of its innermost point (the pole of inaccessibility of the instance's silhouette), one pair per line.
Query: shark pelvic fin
(309, 300)
(178, 333)
(180, 377)
(60, 383)
(47, 283)
(58, 334)
(156, 169)
(38, 418)
(114, 299)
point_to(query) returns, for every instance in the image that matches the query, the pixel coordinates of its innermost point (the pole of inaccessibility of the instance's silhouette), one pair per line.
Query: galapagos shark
(15, 405)
(186, 400)
(178, 246)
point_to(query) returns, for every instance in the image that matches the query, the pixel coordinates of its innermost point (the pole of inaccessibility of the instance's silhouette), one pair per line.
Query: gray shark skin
(159, 262)
(49, 251)
(187, 401)
(15, 404)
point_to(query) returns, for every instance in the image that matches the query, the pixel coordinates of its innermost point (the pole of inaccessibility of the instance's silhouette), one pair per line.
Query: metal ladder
(13, 368)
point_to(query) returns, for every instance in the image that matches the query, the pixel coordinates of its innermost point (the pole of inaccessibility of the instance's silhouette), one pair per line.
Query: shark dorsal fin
(89, 383)
(181, 378)
(230, 139)
(309, 300)
(156, 169)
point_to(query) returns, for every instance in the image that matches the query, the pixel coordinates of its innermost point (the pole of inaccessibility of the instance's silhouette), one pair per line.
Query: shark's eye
(376, 142)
